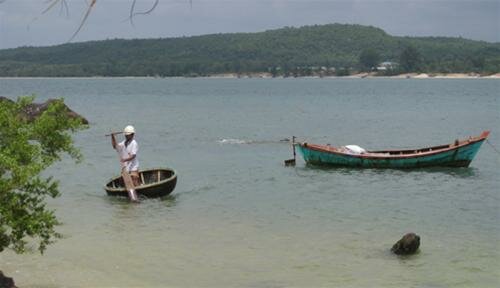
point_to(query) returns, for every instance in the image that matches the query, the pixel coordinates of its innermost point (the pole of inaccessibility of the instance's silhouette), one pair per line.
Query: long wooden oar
(129, 185)
(127, 179)
(113, 133)
(291, 162)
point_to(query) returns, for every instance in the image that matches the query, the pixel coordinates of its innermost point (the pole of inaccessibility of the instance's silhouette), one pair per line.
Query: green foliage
(342, 72)
(410, 59)
(26, 149)
(369, 59)
(281, 52)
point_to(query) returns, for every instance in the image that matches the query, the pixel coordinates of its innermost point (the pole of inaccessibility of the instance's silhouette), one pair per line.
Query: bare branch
(148, 11)
(51, 5)
(133, 14)
(64, 7)
(131, 17)
(89, 9)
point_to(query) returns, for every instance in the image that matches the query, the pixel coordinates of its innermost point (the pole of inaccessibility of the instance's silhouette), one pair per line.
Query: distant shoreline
(369, 75)
(269, 76)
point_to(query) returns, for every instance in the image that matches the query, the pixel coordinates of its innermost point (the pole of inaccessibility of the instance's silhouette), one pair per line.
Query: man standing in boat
(127, 149)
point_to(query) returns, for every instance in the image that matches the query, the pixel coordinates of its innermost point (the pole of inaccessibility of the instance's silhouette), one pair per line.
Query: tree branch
(133, 14)
(89, 9)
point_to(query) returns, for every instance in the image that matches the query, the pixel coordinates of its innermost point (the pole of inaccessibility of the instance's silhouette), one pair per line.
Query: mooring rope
(492, 146)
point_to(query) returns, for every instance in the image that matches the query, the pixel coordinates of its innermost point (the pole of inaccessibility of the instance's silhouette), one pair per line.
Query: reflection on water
(121, 201)
(460, 172)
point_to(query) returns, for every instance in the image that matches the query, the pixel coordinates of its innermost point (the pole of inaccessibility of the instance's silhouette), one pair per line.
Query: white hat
(129, 130)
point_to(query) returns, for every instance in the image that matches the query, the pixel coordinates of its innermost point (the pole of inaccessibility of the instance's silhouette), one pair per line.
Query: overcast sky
(22, 22)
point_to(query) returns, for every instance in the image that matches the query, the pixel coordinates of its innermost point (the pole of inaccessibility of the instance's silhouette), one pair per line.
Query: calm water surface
(239, 218)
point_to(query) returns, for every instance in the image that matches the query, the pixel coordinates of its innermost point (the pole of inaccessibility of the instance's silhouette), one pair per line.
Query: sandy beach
(371, 75)
(269, 75)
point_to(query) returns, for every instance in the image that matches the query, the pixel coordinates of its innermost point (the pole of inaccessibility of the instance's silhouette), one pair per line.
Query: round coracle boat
(157, 182)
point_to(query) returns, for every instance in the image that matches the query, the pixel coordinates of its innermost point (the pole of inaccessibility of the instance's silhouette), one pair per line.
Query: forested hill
(333, 47)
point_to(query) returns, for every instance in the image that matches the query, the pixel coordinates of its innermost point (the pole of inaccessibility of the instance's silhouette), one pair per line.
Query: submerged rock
(407, 245)
(6, 282)
(34, 110)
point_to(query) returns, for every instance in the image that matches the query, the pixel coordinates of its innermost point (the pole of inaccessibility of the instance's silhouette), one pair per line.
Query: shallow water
(239, 218)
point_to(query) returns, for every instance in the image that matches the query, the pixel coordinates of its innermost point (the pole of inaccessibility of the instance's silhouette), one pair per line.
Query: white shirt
(127, 152)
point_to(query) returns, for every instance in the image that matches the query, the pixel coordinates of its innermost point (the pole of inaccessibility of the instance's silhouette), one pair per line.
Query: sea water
(239, 218)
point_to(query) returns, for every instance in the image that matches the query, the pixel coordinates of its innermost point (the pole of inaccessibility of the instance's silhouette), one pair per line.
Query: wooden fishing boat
(154, 183)
(457, 154)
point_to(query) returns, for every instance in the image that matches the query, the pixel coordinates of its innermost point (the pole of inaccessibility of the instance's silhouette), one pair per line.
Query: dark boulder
(34, 110)
(5, 99)
(407, 245)
(6, 282)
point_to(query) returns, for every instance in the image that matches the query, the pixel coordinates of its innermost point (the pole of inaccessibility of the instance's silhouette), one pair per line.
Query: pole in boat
(127, 179)
(291, 162)
(129, 185)
(113, 133)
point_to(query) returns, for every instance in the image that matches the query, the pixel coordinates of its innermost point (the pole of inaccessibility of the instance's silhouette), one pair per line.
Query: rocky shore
(34, 110)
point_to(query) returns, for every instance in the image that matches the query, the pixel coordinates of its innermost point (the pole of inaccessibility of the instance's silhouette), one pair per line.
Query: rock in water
(407, 245)
(6, 282)
(34, 110)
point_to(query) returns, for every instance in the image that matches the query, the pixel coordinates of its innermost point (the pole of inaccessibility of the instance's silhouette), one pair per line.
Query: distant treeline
(334, 49)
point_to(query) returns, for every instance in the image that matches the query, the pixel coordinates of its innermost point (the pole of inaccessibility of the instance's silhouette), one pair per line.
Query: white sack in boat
(354, 149)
